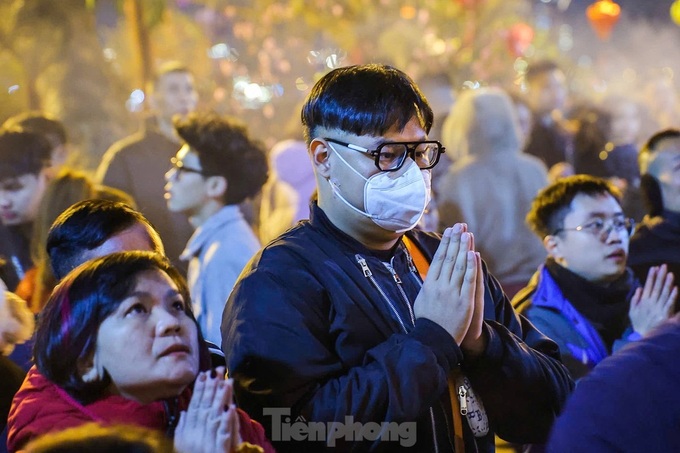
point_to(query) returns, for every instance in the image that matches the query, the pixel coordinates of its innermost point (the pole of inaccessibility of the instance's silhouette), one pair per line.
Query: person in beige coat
(491, 184)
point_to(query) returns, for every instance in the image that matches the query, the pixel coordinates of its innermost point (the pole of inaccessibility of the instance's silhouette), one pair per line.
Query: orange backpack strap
(423, 265)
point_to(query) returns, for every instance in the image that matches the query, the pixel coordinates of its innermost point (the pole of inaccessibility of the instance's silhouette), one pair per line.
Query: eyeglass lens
(393, 155)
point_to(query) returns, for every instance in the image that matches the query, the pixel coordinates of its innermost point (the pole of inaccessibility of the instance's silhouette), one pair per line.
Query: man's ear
(88, 369)
(216, 186)
(319, 152)
(552, 246)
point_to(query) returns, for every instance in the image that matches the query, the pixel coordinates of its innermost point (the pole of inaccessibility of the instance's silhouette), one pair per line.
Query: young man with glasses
(218, 167)
(338, 335)
(584, 297)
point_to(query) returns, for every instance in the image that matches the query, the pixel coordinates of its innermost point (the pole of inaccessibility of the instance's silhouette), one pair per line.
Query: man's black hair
(365, 100)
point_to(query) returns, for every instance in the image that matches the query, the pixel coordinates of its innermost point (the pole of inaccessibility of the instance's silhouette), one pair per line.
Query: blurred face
(20, 197)
(625, 123)
(134, 238)
(175, 94)
(666, 169)
(548, 92)
(185, 189)
(149, 345)
(596, 257)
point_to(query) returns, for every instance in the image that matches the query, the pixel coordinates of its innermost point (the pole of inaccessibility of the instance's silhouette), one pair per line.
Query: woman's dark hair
(87, 225)
(225, 149)
(68, 326)
(365, 100)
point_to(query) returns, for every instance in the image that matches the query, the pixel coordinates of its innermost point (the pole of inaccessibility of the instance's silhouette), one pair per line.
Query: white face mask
(394, 200)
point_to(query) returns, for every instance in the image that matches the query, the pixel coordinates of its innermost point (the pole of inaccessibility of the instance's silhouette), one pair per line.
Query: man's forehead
(594, 204)
(667, 153)
(393, 133)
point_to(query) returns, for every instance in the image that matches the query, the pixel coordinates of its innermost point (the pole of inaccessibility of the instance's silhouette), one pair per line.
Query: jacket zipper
(397, 280)
(462, 399)
(368, 274)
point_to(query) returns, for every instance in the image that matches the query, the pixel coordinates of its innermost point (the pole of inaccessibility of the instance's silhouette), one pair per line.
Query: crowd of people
(371, 284)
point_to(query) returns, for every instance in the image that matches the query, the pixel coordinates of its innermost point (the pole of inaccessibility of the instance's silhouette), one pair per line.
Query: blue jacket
(543, 303)
(320, 326)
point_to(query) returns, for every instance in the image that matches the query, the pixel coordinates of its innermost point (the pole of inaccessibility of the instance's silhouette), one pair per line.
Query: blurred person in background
(24, 175)
(217, 168)
(287, 193)
(483, 127)
(546, 93)
(621, 159)
(591, 137)
(524, 116)
(660, 97)
(657, 239)
(50, 128)
(137, 164)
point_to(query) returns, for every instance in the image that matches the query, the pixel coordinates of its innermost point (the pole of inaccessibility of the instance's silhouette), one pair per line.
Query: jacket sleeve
(520, 378)
(279, 340)
(555, 327)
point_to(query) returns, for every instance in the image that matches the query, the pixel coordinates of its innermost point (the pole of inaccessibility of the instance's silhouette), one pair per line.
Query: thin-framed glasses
(179, 166)
(601, 227)
(390, 156)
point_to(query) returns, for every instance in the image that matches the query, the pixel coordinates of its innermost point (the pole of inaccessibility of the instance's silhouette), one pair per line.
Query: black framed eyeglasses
(390, 156)
(179, 166)
(602, 228)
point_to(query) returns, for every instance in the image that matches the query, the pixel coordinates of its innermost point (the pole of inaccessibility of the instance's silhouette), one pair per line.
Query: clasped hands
(453, 291)
(206, 427)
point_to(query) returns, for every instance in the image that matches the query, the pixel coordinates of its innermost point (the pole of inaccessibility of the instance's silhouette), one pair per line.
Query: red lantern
(603, 15)
(519, 38)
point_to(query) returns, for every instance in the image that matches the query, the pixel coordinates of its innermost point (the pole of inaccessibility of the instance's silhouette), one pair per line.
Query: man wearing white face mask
(395, 198)
(356, 331)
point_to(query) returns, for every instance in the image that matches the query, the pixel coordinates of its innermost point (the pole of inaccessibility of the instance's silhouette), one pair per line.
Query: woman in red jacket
(117, 344)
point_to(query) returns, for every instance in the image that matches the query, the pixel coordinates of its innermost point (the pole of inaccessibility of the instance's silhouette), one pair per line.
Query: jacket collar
(318, 219)
(228, 214)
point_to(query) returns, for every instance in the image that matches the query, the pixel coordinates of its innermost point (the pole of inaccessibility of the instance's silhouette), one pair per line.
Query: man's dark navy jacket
(319, 325)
